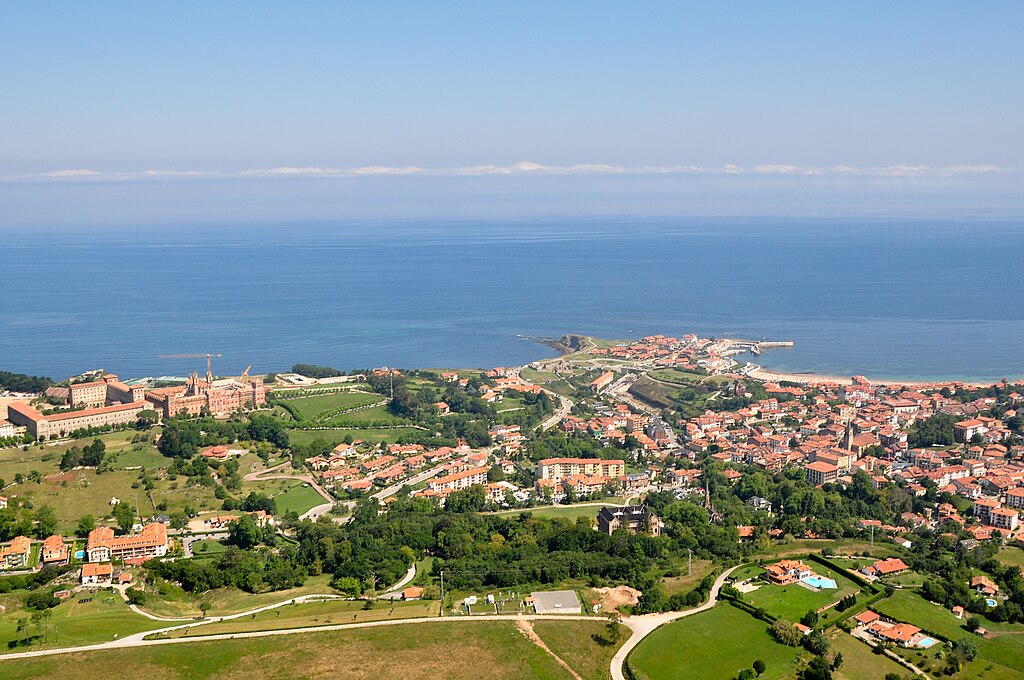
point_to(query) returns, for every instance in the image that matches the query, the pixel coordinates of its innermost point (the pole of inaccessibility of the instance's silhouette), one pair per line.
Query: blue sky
(872, 95)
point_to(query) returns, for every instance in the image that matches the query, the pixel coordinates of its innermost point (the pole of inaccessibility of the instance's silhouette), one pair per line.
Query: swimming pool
(820, 582)
(990, 602)
(79, 554)
(926, 642)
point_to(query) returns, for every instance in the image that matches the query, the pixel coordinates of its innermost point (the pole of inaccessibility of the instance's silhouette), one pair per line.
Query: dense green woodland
(19, 382)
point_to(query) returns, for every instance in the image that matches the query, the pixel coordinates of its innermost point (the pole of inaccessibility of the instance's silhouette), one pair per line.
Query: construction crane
(245, 374)
(209, 365)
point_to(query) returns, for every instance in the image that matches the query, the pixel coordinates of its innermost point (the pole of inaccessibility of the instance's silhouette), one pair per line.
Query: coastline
(769, 375)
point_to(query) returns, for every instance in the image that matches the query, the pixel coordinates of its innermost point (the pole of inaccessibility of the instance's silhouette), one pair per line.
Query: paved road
(644, 625)
(415, 479)
(395, 592)
(138, 641)
(313, 513)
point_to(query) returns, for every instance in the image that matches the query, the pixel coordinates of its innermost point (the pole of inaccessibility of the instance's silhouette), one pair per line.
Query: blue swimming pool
(820, 582)
(79, 554)
(990, 602)
(926, 642)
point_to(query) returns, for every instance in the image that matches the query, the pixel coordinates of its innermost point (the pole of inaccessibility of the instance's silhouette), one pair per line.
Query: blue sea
(887, 298)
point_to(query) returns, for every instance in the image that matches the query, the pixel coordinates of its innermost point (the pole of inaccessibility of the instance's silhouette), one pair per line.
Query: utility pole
(442, 592)
(872, 535)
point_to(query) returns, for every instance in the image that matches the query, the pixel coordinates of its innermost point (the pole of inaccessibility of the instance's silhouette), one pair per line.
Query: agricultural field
(452, 650)
(713, 644)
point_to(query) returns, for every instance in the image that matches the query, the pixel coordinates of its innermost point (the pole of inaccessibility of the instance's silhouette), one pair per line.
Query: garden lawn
(714, 644)
(1006, 648)
(453, 650)
(860, 662)
(299, 498)
(793, 601)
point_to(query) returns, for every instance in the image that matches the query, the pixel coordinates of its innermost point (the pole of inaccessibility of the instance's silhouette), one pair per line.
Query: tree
(745, 674)
(973, 623)
(786, 633)
(179, 521)
(244, 533)
(966, 648)
(810, 619)
(837, 661)
(147, 417)
(86, 523)
(125, 516)
(204, 607)
(818, 669)
(759, 666)
(46, 521)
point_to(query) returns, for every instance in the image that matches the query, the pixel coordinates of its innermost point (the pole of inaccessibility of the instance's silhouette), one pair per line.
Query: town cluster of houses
(847, 428)
(688, 353)
(102, 546)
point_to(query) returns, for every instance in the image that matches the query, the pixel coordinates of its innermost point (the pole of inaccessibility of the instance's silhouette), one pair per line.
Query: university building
(219, 397)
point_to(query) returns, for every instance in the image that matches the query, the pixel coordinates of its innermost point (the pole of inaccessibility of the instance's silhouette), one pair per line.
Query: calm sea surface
(894, 299)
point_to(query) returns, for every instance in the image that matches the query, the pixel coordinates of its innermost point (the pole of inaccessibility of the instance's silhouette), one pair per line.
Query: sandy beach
(816, 378)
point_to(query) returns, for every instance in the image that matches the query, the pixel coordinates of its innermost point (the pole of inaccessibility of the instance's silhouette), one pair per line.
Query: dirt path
(526, 628)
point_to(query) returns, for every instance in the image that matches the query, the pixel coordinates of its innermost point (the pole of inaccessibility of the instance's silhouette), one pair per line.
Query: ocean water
(884, 298)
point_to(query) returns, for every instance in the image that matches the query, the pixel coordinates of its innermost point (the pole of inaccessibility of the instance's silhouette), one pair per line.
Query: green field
(1005, 649)
(175, 602)
(75, 622)
(1011, 555)
(860, 662)
(310, 408)
(208, 547)
(379, 415)
(713, 644)
(455, 651)
(793, 601)
(842, 546)
(311, 615)
(564, 511)
(684, 583)
(588, 660)
(677, 376)
(337, 436)
(299, 498)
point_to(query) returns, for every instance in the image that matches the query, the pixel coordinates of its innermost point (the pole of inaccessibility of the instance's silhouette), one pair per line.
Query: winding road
(645, 624)
(313, 513)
